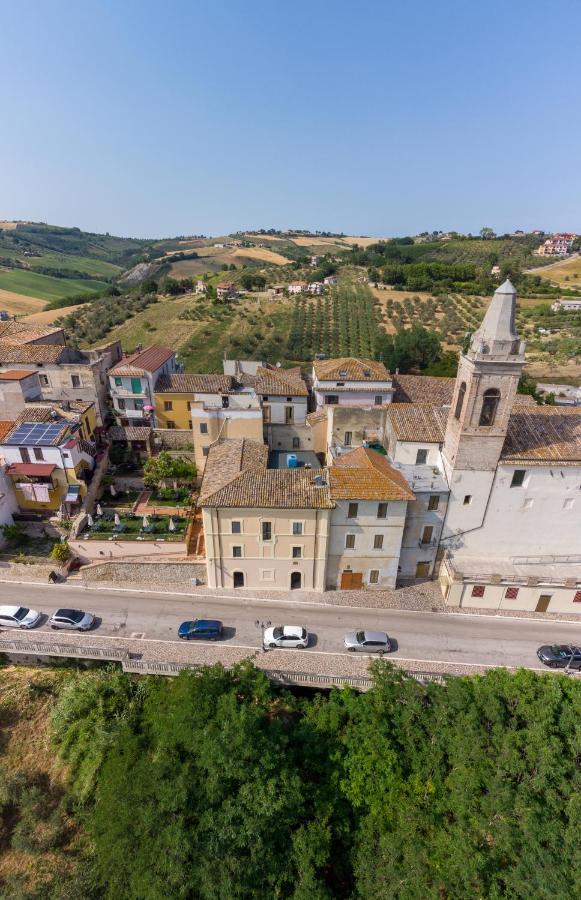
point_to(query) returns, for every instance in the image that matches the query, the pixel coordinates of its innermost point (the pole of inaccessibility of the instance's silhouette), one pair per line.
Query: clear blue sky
(153, 119)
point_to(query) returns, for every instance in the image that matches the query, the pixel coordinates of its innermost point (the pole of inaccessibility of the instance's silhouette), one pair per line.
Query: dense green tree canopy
(219, 785)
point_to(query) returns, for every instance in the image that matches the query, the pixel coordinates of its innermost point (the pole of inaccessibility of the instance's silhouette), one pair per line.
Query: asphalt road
(426, 637)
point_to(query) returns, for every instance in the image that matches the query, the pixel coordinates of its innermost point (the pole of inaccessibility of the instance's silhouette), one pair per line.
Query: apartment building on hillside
(64, 374)
(350, 381)
(132, 384)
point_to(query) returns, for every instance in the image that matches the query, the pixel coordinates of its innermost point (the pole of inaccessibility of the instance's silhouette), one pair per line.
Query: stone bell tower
(485, 390)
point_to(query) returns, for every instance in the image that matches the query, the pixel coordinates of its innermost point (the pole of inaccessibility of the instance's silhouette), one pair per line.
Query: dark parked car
(205, 629)
(559, 656)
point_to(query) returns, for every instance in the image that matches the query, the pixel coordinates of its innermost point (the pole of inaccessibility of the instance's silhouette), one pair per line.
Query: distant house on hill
(566, 305)
(316, 287)
(226, 290)
(201, 286)
(330, 279)
(297, 287)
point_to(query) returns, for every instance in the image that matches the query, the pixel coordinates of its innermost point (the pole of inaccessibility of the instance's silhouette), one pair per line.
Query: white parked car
(369, 641)
(71, 618)
(286, 636)
(18, 617)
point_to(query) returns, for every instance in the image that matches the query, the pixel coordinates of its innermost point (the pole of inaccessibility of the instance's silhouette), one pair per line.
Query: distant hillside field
(566, 272)
(20, 304)
(21, 281)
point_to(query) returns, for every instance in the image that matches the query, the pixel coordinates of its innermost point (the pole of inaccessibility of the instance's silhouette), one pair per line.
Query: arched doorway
(238, 579)
(296, 580)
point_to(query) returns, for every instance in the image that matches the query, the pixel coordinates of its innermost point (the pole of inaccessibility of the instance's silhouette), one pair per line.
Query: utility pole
(263, 626)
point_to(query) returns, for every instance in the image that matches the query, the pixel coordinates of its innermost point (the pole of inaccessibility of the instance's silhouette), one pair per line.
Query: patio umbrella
(99, 510)
(90, 521)
(171, 525)
(112, 490)
(145, 522)
(117, 520)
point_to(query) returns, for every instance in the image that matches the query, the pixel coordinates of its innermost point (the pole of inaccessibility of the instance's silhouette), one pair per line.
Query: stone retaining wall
(89, 550)
(27, 572)
(150, 574)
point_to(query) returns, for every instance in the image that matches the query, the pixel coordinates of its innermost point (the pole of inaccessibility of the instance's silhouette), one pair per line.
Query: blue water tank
(292, 461)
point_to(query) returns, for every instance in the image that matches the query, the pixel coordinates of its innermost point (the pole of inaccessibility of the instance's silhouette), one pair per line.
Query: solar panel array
(36, 433)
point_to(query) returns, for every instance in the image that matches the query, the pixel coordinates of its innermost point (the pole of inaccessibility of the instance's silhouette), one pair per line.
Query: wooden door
(543, 603)
(351, 581)
(422, 569)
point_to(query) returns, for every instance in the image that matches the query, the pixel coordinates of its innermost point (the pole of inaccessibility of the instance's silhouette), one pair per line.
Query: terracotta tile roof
(72, 409)
(148, 360)
(355, 369)
(31, 353)
(5, 427)
(18, 333)
(16, 374)
(194, 384)
(30, 470)
(418, 422)
(279, 382)
(423, 389)
(227, 459)
(365, 474)
(524, 400)
(543, 435)
(314, 417)
(274, 489)
(129, 433)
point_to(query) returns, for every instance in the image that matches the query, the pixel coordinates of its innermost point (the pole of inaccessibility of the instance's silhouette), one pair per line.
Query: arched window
(460, 400)
(489, 407)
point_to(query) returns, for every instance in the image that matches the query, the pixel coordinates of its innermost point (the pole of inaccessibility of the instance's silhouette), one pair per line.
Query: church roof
(541, 435)
(497, 332)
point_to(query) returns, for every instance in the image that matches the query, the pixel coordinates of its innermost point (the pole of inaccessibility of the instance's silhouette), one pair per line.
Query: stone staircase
(196, 543)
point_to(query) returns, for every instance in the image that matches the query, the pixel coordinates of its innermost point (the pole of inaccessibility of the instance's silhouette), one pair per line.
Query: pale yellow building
(292, 528)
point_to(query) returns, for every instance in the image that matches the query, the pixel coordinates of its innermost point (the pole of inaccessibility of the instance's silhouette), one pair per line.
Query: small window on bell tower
(489, 407)
(460, 400)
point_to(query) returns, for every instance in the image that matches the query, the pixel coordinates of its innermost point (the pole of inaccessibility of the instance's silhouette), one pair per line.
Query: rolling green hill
(31, 284)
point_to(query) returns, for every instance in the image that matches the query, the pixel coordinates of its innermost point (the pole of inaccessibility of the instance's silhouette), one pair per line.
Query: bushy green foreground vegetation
(220, 785)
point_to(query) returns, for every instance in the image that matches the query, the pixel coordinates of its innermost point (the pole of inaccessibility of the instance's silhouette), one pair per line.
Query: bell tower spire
(486, 384)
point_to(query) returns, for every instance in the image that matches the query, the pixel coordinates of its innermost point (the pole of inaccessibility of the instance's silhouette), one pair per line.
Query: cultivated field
(49, 316)
(97, 267)
(256, 326)
(262, 254)
(22, 281)
(566, 273)
(20, 304)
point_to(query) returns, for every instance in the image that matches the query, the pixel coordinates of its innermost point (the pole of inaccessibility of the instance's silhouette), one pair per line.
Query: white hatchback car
(294, 636)
(72, 618)
(18, 617)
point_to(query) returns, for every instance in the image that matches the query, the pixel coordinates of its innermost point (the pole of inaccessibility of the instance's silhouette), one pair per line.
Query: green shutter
(136, 385)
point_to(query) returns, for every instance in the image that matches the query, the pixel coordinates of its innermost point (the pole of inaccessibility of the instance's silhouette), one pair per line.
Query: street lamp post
(263, 626)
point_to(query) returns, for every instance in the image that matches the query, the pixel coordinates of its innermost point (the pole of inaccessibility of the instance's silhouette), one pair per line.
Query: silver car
(72, 618)
(369, 641)
(286, 636)
(18, 617)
